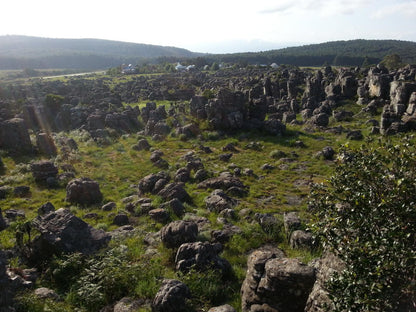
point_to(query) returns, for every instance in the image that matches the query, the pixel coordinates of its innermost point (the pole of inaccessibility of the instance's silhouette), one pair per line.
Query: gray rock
(201, 256)
(45, 209)
(42, 170)
(171, 297)
(121, 219)
(159, 215)
(46, 293)
(83, 191)
(109, 206)
(222, 308)
(292, 222)
(46, 144)
(224, 181)
(218, 201)
(179, 232)
(318, 300)
(141, 145)
(61, 231)
(175, 205)
(128, 305)
(14, 136)
(283, 285)
(300, 239)
(174, 190)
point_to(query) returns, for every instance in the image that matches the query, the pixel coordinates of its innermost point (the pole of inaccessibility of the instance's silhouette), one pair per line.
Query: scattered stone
(46, 293)
(61, 231)
(159, 215)
(171, 297)
(267, 167)
(83, 191)
(291, 222)
(22, 191)
(218, 201)
(109, 206)
(201, 256)
(301, 240)
(223, 308)
(142, 145)
(179, 232)
(328, 153)
(128, 305)
(174, 190)
(175, 205)
(225, 157)
(46, 144)
(121, 219)
(224, 181)
(45, 209)
(42, 170)
(355, 135)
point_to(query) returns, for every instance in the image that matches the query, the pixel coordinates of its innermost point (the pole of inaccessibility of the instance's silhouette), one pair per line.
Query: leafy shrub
(111, 276)
(366, 213)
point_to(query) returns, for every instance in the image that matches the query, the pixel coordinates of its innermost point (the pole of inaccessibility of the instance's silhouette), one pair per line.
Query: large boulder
(318, 300)
(201, 256)
(62, 232)
(83, 191)
(46, 145)
(178, 232)
(171, 297)
(218, 201)
(276, 283)
(43, 170)
(14, 136)
(149, 183)
(224, 181)
(174, 190)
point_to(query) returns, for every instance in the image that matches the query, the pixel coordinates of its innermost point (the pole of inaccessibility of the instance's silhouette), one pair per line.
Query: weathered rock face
(174, 190)
(6, 294)
(61, 231)
(217, 201)
(276, 283)
(153, 182)
(179, 232)
(83, 191)
(318, 300)
(224, 181)
(201, 256)
(46, 144)
(43, 170)
(171, 297)
(14, 136)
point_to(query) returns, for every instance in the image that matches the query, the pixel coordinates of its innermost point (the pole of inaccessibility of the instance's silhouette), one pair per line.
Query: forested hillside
(17, 52)
(352, 52)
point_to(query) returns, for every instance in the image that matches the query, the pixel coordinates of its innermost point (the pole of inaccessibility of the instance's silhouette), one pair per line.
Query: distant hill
(18, 52)
(351, 52)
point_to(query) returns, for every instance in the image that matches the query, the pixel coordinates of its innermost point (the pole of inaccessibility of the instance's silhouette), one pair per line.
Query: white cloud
(406, 8)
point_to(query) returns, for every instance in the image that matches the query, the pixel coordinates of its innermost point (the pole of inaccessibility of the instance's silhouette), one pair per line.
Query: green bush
(366, 213)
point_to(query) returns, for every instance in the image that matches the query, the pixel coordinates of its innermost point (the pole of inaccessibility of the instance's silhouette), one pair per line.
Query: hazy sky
(214, 25)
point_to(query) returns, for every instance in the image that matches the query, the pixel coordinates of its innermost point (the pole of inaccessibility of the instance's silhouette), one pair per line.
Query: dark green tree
(392, 61)
(366, 214)
(53, 103)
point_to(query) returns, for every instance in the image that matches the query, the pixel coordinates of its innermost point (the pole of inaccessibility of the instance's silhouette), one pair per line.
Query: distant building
(180, 67)
(274, 66)
(127, 69)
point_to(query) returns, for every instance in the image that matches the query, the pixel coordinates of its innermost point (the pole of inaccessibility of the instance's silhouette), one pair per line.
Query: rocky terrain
(183, 191)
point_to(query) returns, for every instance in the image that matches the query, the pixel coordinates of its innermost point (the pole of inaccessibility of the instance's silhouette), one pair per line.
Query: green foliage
(53, 102)
(207, 288)
(29, 302)
(366, 213)
(392, 61)
(111, 276)
(64, 271)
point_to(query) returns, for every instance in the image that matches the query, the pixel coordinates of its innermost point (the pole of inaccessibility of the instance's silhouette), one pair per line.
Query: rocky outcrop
(201, 256)
(179, 232)
(318, 300)
(171, 297)
(62, 232)
(276, 283)
(43, 170)
(218, 201)
(83, 191)
(14, 136)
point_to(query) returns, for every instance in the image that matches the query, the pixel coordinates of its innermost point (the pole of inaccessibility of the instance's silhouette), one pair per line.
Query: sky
(214, 26)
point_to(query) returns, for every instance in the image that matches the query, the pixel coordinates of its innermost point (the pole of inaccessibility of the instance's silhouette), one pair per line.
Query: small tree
(53, 103)
(366, 214)
(392, 61)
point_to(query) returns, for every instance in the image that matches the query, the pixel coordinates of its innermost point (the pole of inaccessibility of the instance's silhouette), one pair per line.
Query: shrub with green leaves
(366, 213)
